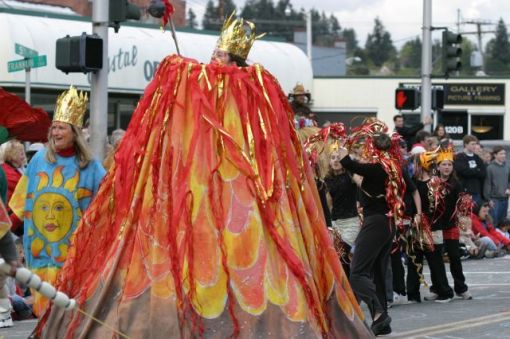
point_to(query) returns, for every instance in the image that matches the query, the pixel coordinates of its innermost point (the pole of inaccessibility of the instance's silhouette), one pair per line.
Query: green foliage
(191, 21)
(410, 55)
(351, 43)
(379, 46)
(498, 51)
(213, 19)
(468, 48)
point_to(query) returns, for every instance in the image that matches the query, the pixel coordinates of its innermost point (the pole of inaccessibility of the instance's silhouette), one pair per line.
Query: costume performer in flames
(209, 223)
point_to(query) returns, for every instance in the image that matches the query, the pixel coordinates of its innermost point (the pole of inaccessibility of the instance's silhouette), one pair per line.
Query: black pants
(370, 262)
(399, 282)
(438, 276)
(459, 281)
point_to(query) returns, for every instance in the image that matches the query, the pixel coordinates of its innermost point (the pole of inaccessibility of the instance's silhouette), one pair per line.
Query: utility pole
(309, 34)
(99, 83)
(479, 33)
(426, 61)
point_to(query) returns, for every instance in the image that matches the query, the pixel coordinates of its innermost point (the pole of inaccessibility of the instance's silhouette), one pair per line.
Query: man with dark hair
(496, 187)
(470, 169)
(409, 133)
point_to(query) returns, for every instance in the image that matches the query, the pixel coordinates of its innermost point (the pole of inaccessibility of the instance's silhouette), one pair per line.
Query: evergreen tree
(467, 49)
(498, 51)
(211, 17)
(191, 21)
(379, 46)
(351, 42)
(410, 55)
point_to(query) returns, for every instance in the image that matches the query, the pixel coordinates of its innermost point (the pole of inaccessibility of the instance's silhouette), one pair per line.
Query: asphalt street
(486, 316)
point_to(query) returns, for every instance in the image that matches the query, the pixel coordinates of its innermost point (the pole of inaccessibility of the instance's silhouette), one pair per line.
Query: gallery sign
(474, 94)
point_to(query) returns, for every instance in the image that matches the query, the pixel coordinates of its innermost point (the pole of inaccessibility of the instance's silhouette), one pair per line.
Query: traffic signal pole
(426, 61)
(99, 83)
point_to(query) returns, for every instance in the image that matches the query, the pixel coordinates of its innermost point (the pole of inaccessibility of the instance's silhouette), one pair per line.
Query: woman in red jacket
(14, 160)
(482, 226)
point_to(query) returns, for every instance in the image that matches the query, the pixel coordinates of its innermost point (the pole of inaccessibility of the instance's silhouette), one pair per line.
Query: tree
(351, 43)
(410, 55)
(191, 21)
(468, 48)
(498, 51)
(213, 18)
(379, 46)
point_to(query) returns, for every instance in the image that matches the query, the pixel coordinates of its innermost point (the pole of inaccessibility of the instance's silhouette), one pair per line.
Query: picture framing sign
(480, 94)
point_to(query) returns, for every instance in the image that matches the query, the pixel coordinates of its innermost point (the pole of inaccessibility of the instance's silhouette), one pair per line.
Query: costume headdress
(427, 159)
(445, 154)
(235, 38)
(299, 89)
(71, 106)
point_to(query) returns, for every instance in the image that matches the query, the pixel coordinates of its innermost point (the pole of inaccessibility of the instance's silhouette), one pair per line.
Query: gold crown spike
(427, 159)
(71, 107)
(445, 154)
(234, 39)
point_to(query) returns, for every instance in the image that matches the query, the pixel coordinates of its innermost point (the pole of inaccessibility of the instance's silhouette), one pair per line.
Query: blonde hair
(81, 148)
(324, 152)
(10, 150)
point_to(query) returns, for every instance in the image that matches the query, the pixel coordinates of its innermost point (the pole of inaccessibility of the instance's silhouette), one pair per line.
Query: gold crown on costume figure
(427, 159)
(71, 106)
(235, 38)
(445, 154)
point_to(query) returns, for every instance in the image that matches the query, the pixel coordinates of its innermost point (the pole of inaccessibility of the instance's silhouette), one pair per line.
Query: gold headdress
(71, 107)
(234, 38)
(445, 154)
(427, 159)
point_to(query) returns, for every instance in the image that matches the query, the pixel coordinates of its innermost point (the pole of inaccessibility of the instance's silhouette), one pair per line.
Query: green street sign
(19, 65)
(24, 51)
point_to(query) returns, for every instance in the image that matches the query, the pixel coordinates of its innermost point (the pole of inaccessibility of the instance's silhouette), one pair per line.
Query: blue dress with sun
(50, 198)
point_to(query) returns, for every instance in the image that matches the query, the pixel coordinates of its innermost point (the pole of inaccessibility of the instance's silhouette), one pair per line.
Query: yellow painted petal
(19, 196)
(58, 177)
(71, 184)
(209, 301)
(36, 247)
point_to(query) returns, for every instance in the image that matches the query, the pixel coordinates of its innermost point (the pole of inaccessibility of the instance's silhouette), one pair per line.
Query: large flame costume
(209, 222)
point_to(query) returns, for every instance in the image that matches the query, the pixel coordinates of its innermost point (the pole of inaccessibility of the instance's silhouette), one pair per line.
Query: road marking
(459, 325)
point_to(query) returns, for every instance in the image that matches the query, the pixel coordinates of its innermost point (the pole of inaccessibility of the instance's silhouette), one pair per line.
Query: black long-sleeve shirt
(343, 193)
(373, 186)
(409, 133)
(471, 171)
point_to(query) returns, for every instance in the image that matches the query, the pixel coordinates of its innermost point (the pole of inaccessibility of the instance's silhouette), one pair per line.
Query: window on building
(487, 127)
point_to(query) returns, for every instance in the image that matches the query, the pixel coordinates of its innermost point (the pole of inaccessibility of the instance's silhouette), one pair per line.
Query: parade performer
(382, 191)
(209, 223)
(55, 190)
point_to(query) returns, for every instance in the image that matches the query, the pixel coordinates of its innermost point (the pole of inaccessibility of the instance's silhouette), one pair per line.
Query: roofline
(130, 23)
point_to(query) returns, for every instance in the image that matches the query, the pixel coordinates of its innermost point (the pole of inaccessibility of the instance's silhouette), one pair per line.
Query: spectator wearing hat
(496, 186)
(300, 100)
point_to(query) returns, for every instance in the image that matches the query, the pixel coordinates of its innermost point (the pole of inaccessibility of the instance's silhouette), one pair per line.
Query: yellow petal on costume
(30, 232)
(58, 177)
(71, 184)
(209, 301)
(296, 306)
(36, 247)
(19, 196)
(243, 247)
(83, 193)
(63, 253)
(163, 287)
(43, 181)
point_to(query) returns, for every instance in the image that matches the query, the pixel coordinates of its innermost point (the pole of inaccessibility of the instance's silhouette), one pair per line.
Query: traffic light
(437, 98)
(82, 53)
(407, 98)
(122, 10)
(451, 52)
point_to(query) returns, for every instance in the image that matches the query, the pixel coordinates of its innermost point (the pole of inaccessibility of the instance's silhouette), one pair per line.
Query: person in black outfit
(344, 214)
(440, 289)
(373, 244)
(409, 133)
(470, 169)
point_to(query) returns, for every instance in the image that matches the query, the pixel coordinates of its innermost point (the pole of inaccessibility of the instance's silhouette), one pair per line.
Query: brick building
(84, 7)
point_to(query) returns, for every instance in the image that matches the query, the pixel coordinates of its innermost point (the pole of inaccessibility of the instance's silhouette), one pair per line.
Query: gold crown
(234, 39)
(445, 154)
(71, 107)
(427, 159)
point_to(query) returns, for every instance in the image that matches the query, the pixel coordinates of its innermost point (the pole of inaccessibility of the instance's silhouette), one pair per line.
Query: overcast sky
(402, 18)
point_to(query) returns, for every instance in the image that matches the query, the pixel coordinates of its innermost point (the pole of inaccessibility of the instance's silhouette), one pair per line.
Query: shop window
(487, 127)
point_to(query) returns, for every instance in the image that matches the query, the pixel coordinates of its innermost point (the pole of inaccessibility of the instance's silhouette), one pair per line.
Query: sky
(402, 18)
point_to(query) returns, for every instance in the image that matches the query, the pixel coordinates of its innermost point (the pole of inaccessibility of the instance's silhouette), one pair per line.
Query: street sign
(24, 51)
(19, 65)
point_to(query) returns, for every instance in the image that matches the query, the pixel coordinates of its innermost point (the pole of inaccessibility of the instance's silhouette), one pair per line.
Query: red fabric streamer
(23, 122)
(169, 10)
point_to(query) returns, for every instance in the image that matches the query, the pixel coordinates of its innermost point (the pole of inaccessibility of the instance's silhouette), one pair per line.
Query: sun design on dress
(54, 211)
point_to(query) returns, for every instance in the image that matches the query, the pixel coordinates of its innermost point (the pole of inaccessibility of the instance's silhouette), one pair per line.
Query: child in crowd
(19, 294)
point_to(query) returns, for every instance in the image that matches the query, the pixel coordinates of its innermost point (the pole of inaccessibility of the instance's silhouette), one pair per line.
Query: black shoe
(385, 330)
(379, 325)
